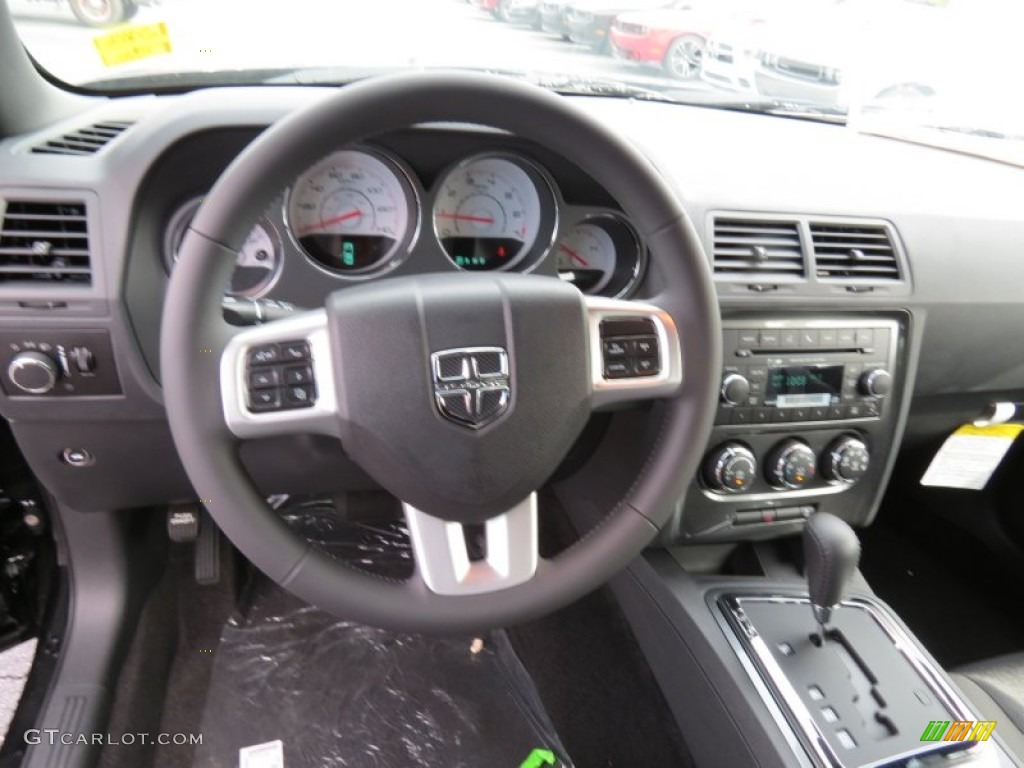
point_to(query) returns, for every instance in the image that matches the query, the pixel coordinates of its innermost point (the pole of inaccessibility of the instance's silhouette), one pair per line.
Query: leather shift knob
(831, 553)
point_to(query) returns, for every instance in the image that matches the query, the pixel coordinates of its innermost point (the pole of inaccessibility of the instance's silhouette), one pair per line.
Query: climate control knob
(790, 465)
(33, 372)
(731, 467)
(735, 389)
(846, 460)
(876, 383)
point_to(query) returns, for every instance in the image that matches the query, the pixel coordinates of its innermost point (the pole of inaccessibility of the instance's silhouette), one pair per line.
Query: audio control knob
(735, 389)
(33, 372)
(876, 383)
(846, 460)
(731, 467)
(790, 465)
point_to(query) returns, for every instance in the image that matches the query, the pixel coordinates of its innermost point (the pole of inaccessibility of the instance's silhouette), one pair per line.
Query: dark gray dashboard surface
(959, 219)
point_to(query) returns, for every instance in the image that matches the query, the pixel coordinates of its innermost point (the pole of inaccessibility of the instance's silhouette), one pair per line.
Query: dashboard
(859, 290)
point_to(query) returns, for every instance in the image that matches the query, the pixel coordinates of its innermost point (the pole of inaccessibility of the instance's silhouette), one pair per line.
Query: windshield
(887, 65)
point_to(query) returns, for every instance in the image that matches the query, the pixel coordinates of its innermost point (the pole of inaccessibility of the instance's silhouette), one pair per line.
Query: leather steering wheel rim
(194, 335)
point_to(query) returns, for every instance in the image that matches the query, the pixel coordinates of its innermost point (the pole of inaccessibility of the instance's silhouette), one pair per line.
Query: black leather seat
(996, 688)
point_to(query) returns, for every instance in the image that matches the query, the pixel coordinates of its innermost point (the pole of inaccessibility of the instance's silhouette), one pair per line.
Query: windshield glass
(891, 66)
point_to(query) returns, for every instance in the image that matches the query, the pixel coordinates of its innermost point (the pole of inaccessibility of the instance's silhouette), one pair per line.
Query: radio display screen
(804, 386)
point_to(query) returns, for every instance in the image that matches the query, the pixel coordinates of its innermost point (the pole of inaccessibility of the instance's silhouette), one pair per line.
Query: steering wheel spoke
(635, 351)
(442, 555)
(278, 378)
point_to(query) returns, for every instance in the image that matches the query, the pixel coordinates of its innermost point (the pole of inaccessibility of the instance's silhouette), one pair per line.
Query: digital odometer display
(804, 386)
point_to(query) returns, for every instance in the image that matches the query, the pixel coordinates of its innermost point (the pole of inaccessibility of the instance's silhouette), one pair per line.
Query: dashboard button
(646, 366)
(262, 378)
(264, 355)
(769, 339)
(295, 350)
(872, 409)
(865, 337)
(748, 339)
(836, 412)
(742, 415)
(819, 414)
(747, 518)
(264, 400)
(801, 414)
(762, 416)
(615, 349)
(827, 338)
(790, 339)
(757, 373)
(855, 411)
(782, 415)
(724, 415)
(298, 374)
(299, 396)
(846, 338)
(810, 338)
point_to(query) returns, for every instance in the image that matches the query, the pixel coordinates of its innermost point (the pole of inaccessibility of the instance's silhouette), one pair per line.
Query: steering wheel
(458, 393)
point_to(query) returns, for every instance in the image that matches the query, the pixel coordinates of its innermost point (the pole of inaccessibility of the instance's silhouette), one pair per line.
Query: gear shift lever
(831, 554)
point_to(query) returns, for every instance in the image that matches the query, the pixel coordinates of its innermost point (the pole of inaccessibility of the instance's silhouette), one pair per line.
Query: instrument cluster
(360, 213)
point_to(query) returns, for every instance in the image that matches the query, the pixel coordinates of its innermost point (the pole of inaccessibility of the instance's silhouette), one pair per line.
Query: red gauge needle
(574, 255)
(336, 220)
(461, 217)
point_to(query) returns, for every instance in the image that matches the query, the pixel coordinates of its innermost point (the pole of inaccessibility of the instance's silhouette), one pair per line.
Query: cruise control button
(300, 396)
(646, 366)
(615, 349)
(264, 355)
(264, 400)
(295, 350)
(646, 347)
(298, 374)
(617, 369)
(262, 378)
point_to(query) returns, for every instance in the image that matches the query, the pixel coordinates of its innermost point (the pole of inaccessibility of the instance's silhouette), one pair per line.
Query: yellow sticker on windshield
(131, 43)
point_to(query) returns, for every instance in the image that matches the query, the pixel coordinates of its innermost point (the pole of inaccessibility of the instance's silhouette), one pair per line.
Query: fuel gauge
(600, 255)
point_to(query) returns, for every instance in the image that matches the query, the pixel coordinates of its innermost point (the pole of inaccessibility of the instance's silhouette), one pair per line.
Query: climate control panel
(58, 364)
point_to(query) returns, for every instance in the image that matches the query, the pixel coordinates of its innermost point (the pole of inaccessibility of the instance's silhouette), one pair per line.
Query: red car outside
(673, 37)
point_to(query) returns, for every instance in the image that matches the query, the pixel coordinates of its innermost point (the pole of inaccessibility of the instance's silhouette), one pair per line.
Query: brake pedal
(207, 559)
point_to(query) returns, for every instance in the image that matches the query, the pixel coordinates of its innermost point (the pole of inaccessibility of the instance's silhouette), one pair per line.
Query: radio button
(877, 382)
(835, 413)
(735, 389)
(810, 339)
(790, 339)
(827, 338)
(855, 411)
(872, 408)
(748, 339)
(819, 414)
(742, 415)
(769, 339)
(762, 416)
(782, 415)
(865, 337)
(846, 338)
(757, 373)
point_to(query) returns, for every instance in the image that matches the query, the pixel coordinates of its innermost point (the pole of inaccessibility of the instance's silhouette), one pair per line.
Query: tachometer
(352, 213)
(600, 255)
(488, 214)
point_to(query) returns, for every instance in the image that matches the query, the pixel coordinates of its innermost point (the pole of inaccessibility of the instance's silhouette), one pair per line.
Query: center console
(806, 422)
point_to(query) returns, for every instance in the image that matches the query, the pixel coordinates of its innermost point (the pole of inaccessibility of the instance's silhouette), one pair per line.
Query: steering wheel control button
(646, 346)
(646, 366)
(618, 369)
(261, 400)
(298, 374)
(267, 354)
(616, 350)
(262, 378)
(299, 396)
(294, 351)
(629, 356)
(790, 465)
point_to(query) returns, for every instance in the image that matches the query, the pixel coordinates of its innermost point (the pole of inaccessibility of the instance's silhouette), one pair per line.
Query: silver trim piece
(664, 384)
(32, 358)
(442, 560)
(776, 690)
(321, 417)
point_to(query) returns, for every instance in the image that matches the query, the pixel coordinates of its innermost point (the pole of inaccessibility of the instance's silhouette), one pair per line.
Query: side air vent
(757, 249)
(854, 252)
(85, 141)
(44, 242)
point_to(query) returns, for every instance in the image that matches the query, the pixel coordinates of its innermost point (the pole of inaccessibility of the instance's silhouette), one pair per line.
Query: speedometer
(352, 213)
(488, 213)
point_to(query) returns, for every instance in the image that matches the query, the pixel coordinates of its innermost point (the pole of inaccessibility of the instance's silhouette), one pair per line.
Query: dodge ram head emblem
(471, 385)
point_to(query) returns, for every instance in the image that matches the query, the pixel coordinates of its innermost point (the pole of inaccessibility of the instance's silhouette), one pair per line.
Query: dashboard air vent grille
(84, 141)
(757, 248)
(854, 251)
(44, 241)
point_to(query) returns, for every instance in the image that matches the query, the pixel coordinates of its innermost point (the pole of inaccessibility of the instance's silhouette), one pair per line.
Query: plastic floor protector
(336, 693)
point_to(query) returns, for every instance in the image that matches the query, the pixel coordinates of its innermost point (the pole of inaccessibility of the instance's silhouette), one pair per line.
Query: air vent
(44, 242)
(854, 252)
(85, 141)
(757, 249)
